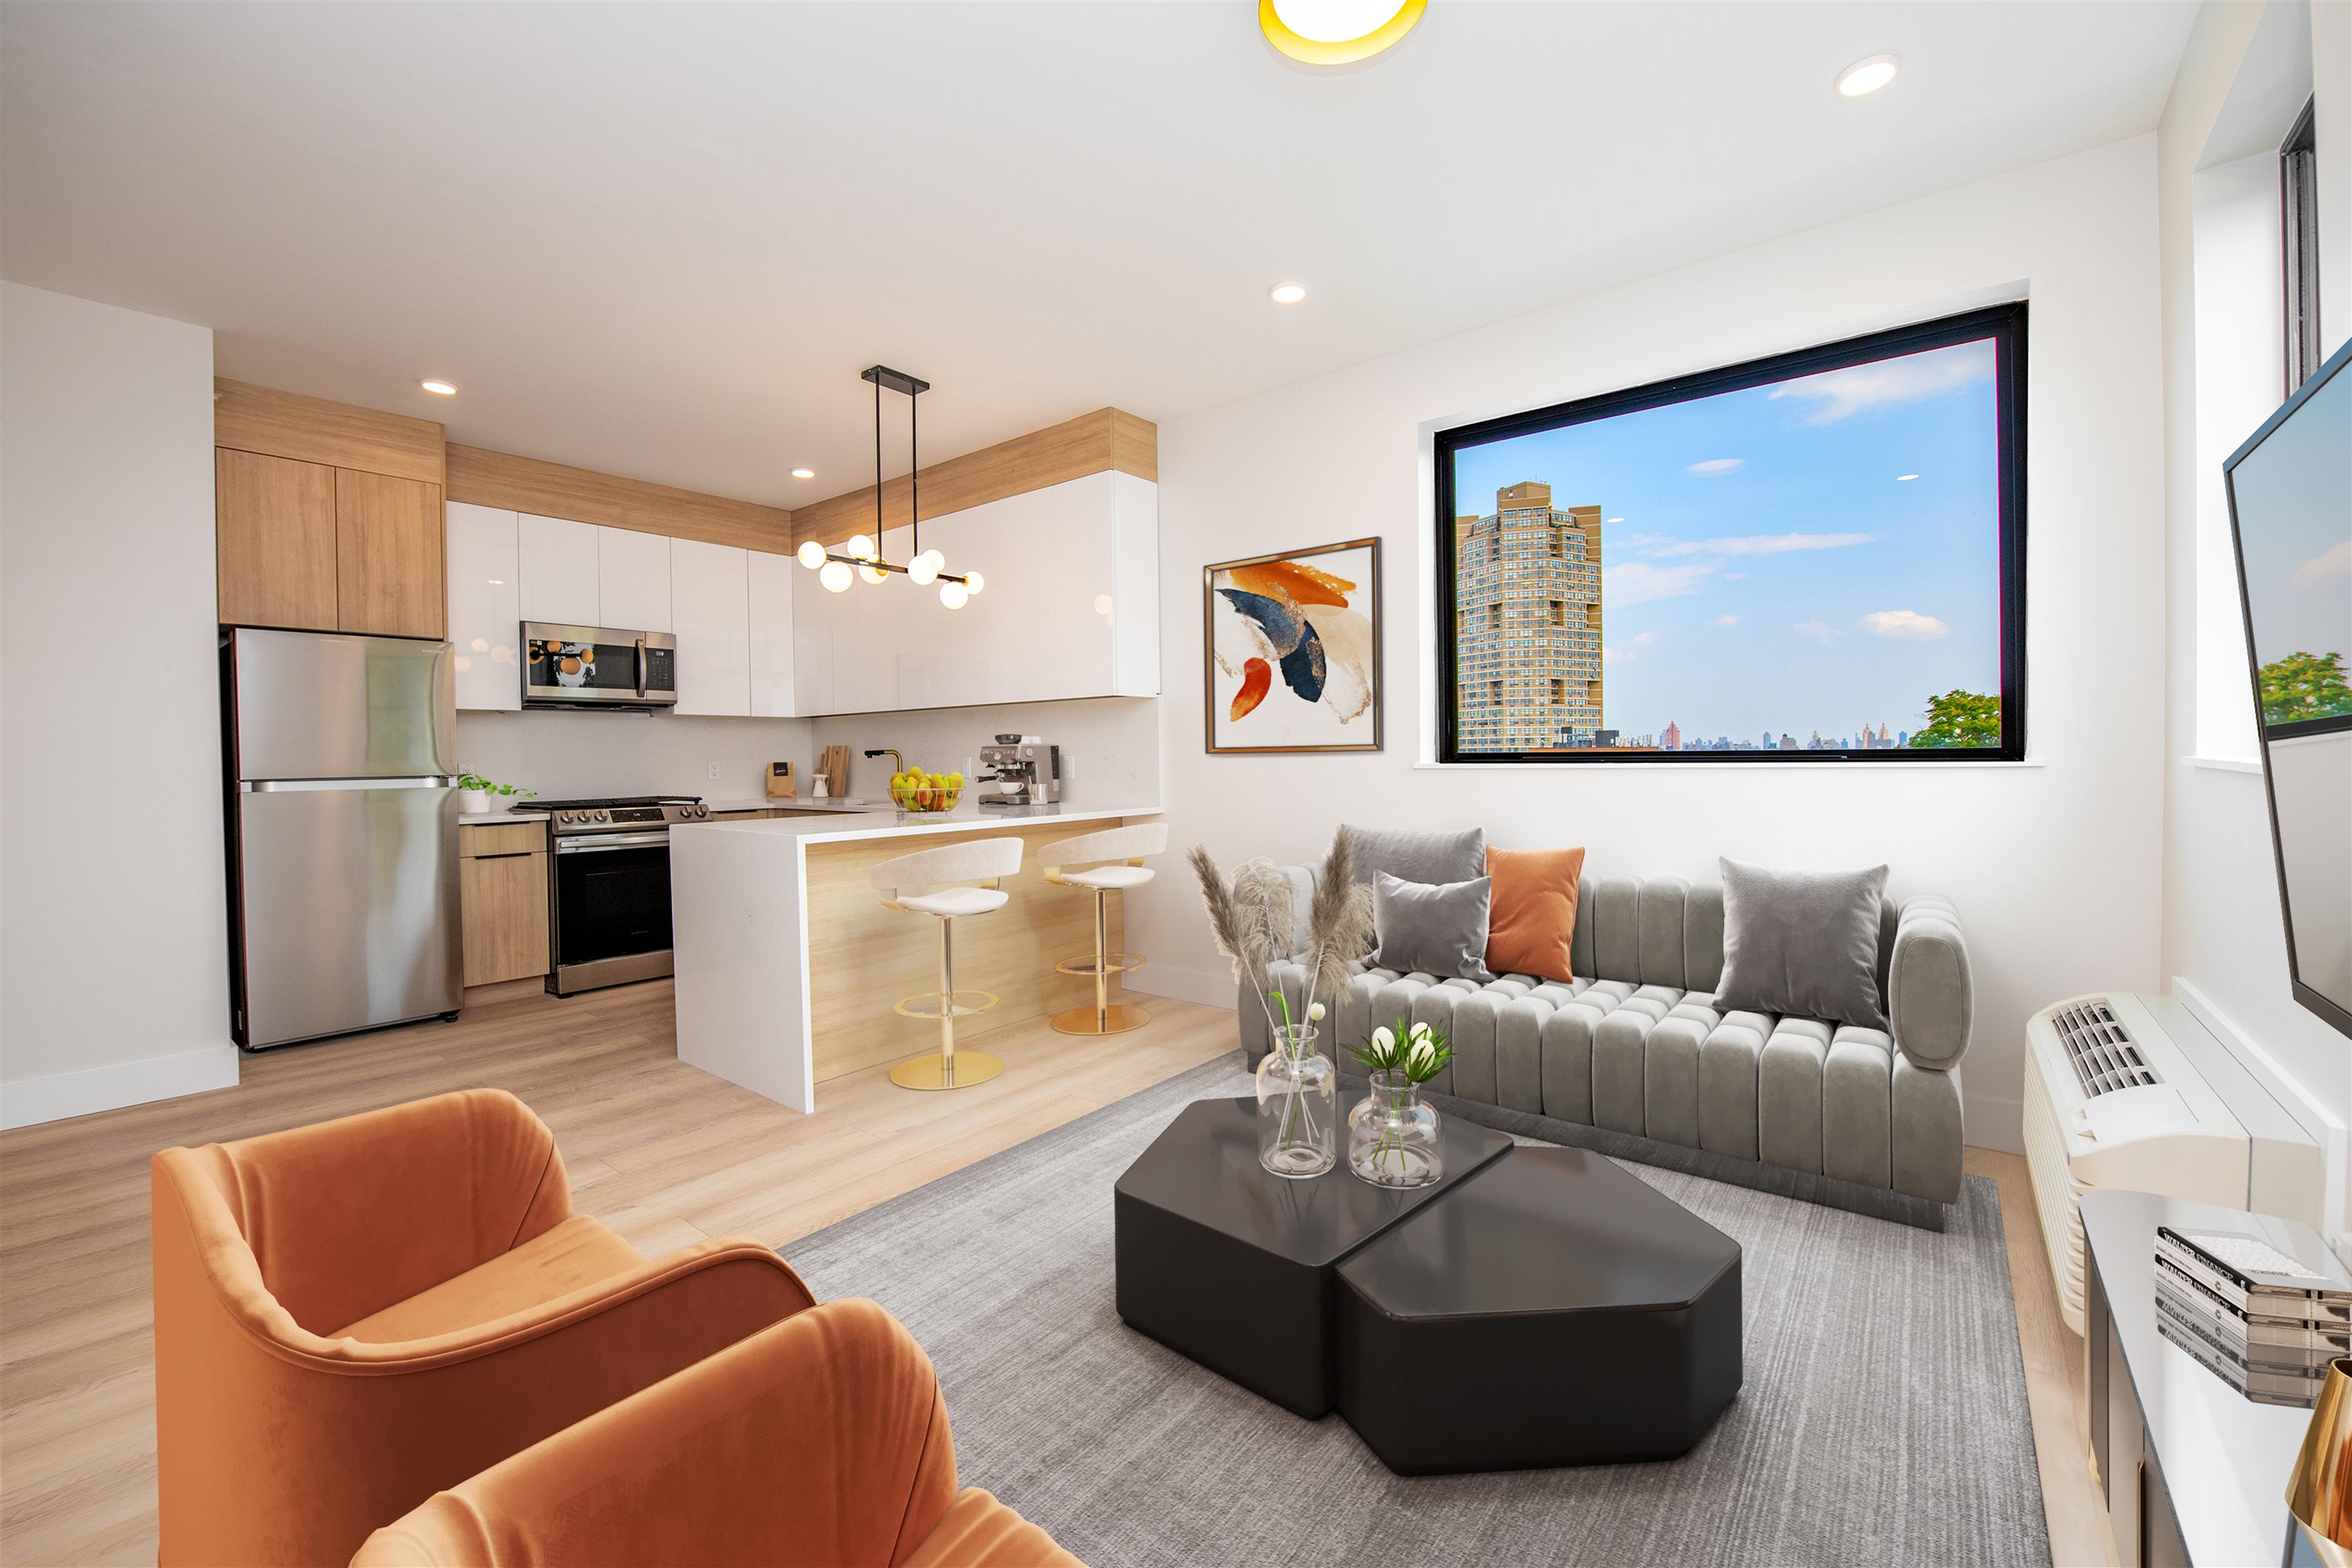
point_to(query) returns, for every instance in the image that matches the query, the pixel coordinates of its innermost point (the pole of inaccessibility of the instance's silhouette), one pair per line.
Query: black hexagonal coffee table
(1538, 1307)
(1552, 1310)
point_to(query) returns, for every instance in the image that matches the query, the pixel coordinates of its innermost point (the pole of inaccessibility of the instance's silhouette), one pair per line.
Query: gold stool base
(928, 1072)
(1116, 1019)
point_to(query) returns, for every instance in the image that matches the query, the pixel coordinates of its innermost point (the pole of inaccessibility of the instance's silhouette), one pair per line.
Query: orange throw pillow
(1532, 918)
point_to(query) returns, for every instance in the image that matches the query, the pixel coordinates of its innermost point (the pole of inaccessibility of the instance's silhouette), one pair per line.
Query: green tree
(1960, 718)
(2303, 686)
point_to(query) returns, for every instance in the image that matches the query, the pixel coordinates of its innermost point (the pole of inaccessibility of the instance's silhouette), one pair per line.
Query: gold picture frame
(1309, 687)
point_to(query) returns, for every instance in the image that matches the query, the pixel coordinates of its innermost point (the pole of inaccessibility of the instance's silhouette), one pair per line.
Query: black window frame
(2005, 324)
(2304, 350)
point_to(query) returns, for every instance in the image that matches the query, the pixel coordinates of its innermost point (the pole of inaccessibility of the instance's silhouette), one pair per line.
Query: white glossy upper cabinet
(813, 610)
(485, 606)
(633, 581)
(771, 633)
(1133, 611)
(710, 594)
(557, 562)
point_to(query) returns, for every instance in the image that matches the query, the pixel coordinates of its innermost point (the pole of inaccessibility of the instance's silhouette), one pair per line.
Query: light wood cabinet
(276, 535)
(389, 538)
(502, 888)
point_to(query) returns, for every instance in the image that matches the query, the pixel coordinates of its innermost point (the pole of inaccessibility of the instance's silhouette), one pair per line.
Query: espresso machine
(1018, 770)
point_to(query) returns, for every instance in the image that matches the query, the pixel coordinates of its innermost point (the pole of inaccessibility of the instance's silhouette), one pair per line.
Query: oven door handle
(609, 842)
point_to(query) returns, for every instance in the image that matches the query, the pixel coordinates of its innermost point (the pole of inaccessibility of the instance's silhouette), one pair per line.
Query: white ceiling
(663, 239)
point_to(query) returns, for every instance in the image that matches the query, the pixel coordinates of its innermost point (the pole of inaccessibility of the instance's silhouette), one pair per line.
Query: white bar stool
(1125, 846)
(981, 861)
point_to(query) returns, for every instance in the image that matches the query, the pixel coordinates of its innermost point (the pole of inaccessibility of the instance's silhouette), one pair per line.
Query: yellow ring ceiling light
(1336, 32)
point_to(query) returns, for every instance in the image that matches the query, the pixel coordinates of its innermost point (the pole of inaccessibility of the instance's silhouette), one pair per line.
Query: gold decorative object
(1335, 51)
(2319, 1492)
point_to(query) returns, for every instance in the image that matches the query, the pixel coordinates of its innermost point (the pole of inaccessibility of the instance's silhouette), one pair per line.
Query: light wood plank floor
(662, 1152)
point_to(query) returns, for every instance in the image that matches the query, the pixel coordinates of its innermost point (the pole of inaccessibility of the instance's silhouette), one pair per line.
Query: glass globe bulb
(873, 574)
(811, 555)
(938, 560)
(860, 546)
(923, 569)
(952, 595)
(835, 577)
(971, 583)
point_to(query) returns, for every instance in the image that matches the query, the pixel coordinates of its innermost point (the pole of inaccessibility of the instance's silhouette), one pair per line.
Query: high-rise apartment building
(1527, 624)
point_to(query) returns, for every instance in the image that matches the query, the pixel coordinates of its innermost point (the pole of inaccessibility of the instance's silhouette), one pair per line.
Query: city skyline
(1807, 549)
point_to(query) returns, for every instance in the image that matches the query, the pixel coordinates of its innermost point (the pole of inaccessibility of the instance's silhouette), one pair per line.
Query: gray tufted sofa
(1633, 1057)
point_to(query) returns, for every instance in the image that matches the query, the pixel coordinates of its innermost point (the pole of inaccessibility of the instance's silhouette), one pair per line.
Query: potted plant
(1393, 1140)
(476, 795)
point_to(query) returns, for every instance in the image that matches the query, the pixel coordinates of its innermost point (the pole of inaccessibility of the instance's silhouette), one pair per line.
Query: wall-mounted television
(2290, 491)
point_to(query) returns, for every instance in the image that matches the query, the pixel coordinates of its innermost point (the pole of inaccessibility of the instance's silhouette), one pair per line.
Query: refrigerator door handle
(276, 786)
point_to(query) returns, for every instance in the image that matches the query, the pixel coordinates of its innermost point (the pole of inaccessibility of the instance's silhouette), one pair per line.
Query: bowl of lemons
(915, 790)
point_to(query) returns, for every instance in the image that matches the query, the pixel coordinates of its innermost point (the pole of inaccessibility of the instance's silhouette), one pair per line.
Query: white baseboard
(25, 1101)
(1210, 990)
(1992, 1121)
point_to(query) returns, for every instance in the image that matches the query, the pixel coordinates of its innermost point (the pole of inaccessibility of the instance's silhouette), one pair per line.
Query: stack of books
(2261, 1320)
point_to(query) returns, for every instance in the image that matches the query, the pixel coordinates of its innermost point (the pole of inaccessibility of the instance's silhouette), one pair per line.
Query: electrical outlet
(714, 770)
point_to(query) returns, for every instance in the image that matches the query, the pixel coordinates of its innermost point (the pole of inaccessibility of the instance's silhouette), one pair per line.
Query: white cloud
(1838, 393)
(1816, 630)
(1761, 543)
(1727, 620)
(1635, 582)
(2334, 562)
(1614, 656)
(1715, 466)
(1646, 639)
(1906, 623)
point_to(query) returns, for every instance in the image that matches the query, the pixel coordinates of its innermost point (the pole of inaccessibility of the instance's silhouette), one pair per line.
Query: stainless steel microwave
(597, 667)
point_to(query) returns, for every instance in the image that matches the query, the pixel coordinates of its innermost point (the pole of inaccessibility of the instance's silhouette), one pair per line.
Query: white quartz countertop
(844, 820)
(493, 818)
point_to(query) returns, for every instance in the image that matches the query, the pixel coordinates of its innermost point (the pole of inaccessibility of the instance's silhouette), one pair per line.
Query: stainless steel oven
(609, 917)
(597, 667)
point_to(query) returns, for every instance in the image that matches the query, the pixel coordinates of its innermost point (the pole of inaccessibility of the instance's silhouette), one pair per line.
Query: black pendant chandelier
(862, 556)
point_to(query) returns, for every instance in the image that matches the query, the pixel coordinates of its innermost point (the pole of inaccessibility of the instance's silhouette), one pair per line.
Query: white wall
(1110, 746)
(113, 906)
(566, 754)
(2053, 863)
(2243, 77)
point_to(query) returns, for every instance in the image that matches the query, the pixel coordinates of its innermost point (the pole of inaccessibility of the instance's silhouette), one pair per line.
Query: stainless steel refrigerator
(343, 833)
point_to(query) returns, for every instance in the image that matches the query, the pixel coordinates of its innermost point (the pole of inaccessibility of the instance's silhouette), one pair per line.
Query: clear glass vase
(1297, 1106)
(1393, 1137)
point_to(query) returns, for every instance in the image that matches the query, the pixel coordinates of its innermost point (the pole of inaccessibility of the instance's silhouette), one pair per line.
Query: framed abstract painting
(1293, 644)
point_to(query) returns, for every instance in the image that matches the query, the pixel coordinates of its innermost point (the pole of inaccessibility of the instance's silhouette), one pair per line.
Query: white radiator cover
(2204, 1130)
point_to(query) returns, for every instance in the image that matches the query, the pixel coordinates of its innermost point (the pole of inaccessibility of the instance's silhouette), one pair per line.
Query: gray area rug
(1882, 1419)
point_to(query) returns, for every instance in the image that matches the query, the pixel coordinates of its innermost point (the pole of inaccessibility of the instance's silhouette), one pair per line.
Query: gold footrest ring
(1111, 963)
(959, 1003)
(928, 1072)
(1114, 1019)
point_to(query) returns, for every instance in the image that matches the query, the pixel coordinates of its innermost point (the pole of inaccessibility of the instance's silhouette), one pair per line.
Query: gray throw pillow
(1801, 944)
(1439, 930)
(1414, 854)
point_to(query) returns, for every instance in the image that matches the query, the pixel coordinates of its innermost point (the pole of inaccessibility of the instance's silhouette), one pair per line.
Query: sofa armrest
(820, 1440)
(1930, 1001)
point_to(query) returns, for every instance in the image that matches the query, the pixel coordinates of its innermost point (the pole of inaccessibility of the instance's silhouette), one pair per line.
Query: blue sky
(1765, 562)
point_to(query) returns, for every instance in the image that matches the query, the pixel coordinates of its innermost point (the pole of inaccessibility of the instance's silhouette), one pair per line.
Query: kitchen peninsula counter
(789, 968)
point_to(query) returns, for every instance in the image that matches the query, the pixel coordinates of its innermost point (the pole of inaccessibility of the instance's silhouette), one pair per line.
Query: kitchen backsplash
(561, 754)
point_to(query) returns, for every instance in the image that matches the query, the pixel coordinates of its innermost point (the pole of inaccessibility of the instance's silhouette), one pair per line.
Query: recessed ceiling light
(1336, 32)
(1863, 78)
(1900, 478)
(803, 473)
(443, 387)
(1286, 293)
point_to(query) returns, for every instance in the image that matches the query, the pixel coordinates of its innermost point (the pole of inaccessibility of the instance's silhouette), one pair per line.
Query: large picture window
(1815, 556)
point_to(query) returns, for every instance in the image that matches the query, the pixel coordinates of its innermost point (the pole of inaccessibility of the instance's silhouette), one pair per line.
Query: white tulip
(1422, 1058)
(1421, 1032)
(1315, 1013)
(1382, 1040)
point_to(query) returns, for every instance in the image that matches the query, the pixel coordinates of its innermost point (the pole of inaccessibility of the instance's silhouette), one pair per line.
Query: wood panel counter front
(789, 968)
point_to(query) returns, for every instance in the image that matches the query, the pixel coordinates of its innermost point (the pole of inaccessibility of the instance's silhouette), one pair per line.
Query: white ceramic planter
(475, 802)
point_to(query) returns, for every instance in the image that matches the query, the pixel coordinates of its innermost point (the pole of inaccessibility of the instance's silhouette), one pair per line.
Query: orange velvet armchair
(350, 1317)
(819, 1443)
